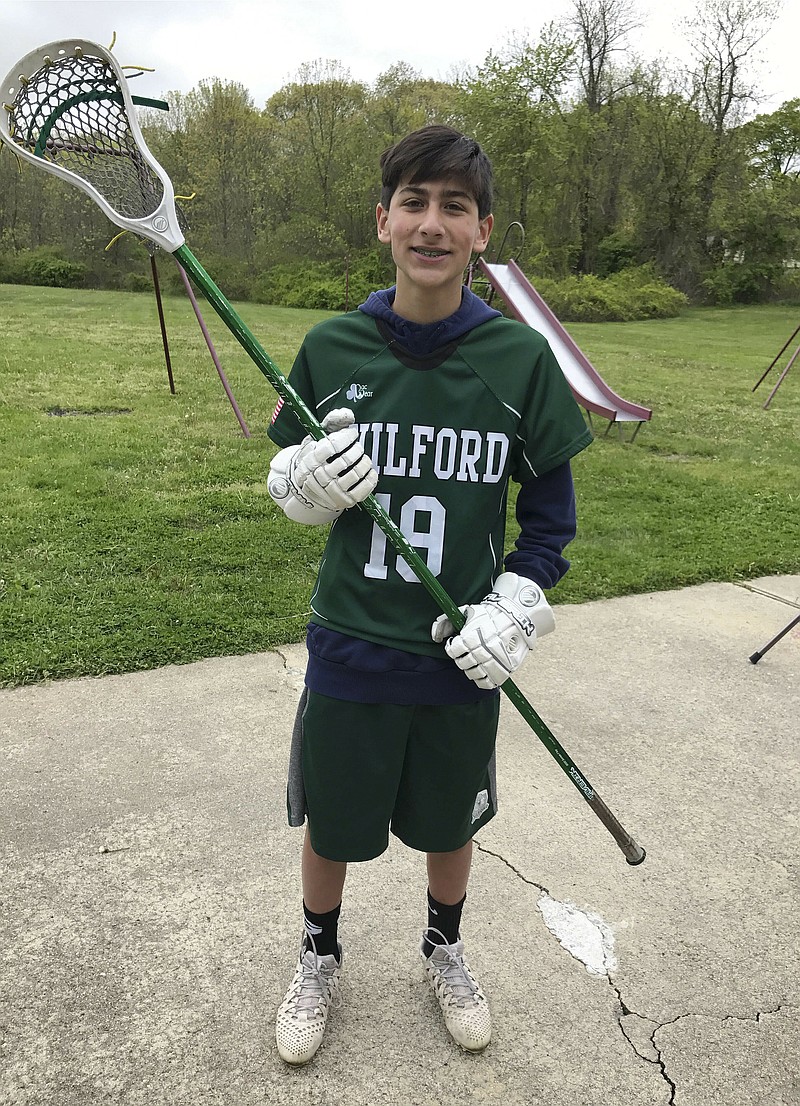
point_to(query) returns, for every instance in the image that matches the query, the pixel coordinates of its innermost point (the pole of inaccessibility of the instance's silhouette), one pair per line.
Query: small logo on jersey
(356, 392)
(277, 411)
(481, 805)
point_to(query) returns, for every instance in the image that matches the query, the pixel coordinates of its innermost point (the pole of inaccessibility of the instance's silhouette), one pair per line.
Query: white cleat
(303, 1014)
(464, 1005)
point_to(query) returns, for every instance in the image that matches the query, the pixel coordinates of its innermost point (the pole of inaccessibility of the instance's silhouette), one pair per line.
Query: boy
(434, 400)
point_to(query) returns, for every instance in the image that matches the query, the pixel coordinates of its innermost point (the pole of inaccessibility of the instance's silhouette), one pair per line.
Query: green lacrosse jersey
(446, 433)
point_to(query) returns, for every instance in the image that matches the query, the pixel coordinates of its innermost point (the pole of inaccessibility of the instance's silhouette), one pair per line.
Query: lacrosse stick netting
(67, 108)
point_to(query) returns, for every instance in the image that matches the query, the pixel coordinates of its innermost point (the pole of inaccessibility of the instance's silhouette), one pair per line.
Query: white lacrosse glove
(499, 632)
(316, 481)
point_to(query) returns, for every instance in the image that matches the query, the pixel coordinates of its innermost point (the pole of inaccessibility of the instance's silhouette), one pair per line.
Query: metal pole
(756, 657)
(776, 359)
(211, 350)
(157, 289)
(781, 378)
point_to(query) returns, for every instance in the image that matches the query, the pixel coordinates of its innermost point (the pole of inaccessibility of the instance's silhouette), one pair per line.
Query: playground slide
(588, 387)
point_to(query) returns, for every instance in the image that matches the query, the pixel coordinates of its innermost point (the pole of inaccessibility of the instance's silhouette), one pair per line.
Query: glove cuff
(526, 603)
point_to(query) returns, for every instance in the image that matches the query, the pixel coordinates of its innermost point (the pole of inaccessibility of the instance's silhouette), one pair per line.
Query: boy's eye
(414, 204)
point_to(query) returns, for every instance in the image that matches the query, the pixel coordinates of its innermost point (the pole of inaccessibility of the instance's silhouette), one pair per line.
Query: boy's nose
(431, 222)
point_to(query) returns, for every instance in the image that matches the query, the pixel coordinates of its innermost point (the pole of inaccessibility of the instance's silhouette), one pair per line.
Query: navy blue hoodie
(344, 667)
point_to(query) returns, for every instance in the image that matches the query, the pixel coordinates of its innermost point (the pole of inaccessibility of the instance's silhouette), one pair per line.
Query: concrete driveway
(150, 900)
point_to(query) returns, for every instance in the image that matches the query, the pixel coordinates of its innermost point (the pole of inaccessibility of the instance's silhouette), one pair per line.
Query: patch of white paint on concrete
(585, 936)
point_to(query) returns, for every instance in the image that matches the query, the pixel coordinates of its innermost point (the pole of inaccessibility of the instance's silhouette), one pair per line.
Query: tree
(774, 141)
(668, 156)
(761, 219)
(402, 100)
(512, 103)
(724, 35)
(215, 147)
(315, 111)
(602, 28)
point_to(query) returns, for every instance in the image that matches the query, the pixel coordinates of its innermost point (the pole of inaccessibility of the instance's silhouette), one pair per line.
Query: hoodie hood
(421, 339)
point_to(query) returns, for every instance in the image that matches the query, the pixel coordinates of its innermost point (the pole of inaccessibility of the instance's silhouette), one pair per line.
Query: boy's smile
(433, 229)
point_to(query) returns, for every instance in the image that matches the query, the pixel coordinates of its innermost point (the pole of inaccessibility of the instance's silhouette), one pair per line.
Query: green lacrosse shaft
(634, 854)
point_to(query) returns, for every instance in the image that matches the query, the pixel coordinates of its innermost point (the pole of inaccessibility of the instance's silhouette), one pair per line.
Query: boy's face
(433, 229)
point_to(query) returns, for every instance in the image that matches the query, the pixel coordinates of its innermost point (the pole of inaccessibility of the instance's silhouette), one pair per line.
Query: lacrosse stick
(69, 110)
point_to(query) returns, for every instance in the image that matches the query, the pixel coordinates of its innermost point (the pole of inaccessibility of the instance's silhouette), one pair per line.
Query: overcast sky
(263, 44)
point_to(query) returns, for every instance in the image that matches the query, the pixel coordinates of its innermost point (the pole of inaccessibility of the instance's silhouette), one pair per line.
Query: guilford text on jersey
(447, 454)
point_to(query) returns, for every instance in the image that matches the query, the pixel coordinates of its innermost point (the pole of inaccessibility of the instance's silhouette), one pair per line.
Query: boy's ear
(382, 217)
(482, 237)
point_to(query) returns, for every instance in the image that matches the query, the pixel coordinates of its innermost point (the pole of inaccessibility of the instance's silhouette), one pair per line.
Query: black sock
(444, 923)
(322, 930)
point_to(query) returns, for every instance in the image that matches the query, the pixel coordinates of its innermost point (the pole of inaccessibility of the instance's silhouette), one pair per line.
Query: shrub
(330, 286)
(8, 269)
(137, 282)
(787, 287)
(323, 285)
(617, 252)
(624, 297)
(233, 277)
(742, 282)
(643, 292)
(45, 266)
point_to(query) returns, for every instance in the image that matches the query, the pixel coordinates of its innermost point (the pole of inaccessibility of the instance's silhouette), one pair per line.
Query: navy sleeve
(547, 523)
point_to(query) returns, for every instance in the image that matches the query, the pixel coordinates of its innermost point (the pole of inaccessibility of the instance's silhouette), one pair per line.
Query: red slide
(588, 386)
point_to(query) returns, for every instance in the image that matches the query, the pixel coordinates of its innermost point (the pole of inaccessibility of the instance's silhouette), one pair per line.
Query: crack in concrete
(657, 1059)
(662, 1067)
(577, 931)
(291, 670)
(625, 1010)
(744, 1017)
(510, 866)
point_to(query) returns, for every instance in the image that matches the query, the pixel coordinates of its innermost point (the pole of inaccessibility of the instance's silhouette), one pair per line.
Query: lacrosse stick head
(66, 107)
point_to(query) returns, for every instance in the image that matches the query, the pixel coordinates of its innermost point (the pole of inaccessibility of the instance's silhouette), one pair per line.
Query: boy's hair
(438, 153)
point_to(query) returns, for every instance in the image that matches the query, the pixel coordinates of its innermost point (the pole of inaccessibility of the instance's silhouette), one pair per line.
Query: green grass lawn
(136, 527)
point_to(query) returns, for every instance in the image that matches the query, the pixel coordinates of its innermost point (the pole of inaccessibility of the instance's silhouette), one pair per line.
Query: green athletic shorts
(425, 772)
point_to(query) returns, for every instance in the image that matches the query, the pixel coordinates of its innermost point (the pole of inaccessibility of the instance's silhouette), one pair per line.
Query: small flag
(277, 410)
